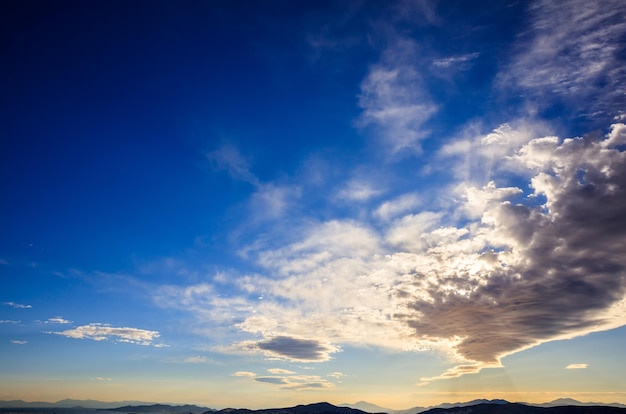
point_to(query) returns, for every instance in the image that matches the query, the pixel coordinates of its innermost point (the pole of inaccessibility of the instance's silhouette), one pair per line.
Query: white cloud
(102, 332)
(17, 305)
(577, 366)
(58, 320)
(279, 371)
(402, 204)
(9, 321)
(247, 374)
(358, 191)
(18, 342)
(271, 201)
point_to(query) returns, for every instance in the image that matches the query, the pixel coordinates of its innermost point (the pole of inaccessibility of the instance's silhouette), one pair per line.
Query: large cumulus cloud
(503, 268)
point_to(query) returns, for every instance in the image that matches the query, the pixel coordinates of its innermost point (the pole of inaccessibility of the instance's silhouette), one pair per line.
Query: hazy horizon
(281, 202)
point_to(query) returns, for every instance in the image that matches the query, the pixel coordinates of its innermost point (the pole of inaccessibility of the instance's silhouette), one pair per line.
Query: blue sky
(268, 203)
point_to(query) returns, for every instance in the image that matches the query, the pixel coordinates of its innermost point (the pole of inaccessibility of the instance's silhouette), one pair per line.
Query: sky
(270, 203)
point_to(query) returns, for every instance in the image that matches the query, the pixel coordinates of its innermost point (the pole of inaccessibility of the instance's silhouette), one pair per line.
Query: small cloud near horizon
(577, 366)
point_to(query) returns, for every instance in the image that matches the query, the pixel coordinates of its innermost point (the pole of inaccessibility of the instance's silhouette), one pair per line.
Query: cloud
(295, 349)
(402, 204)
(288, 380)
(455, 62)
(271, 201)
(271, 380)
(102, 332)
(17, 305)
(577, 366)
(17, 342)
(228, 158)
(196, 360)
(572, 51)
(9, 321)
(244, 374)
(358, 191)
(528, 251)
(393, 99)
(280, 371)
(58, 320)
(104, 379)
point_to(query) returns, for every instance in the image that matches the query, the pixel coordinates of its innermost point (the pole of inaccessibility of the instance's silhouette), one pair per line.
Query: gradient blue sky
(266, 203)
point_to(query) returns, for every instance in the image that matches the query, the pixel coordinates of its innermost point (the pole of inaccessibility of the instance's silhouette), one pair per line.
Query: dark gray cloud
(296, 348)
(271, 380)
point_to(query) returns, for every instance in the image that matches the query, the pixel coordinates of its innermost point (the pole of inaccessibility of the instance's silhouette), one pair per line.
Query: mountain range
(373, 408)
(480, 406)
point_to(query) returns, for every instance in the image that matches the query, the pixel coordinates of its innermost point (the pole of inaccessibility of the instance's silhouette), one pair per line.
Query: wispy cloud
(356, 190)
(9, 321)
(572, 52)
(198, 359)
(18, 342)
(394, 100)
(17, 305)
(102, 332)
(228, 158)
(460, 61)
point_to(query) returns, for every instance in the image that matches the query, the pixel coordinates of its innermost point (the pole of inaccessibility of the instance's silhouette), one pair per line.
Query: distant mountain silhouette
(571, 401)
(559, 406)
(70, 403)
(160, 409)
(516, 408)
(367, 407)
(317, 408)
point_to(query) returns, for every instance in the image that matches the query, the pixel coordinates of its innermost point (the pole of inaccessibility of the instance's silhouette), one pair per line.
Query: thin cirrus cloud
(394, 101)
(571, 52)
(17, 305)
(102, 332)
